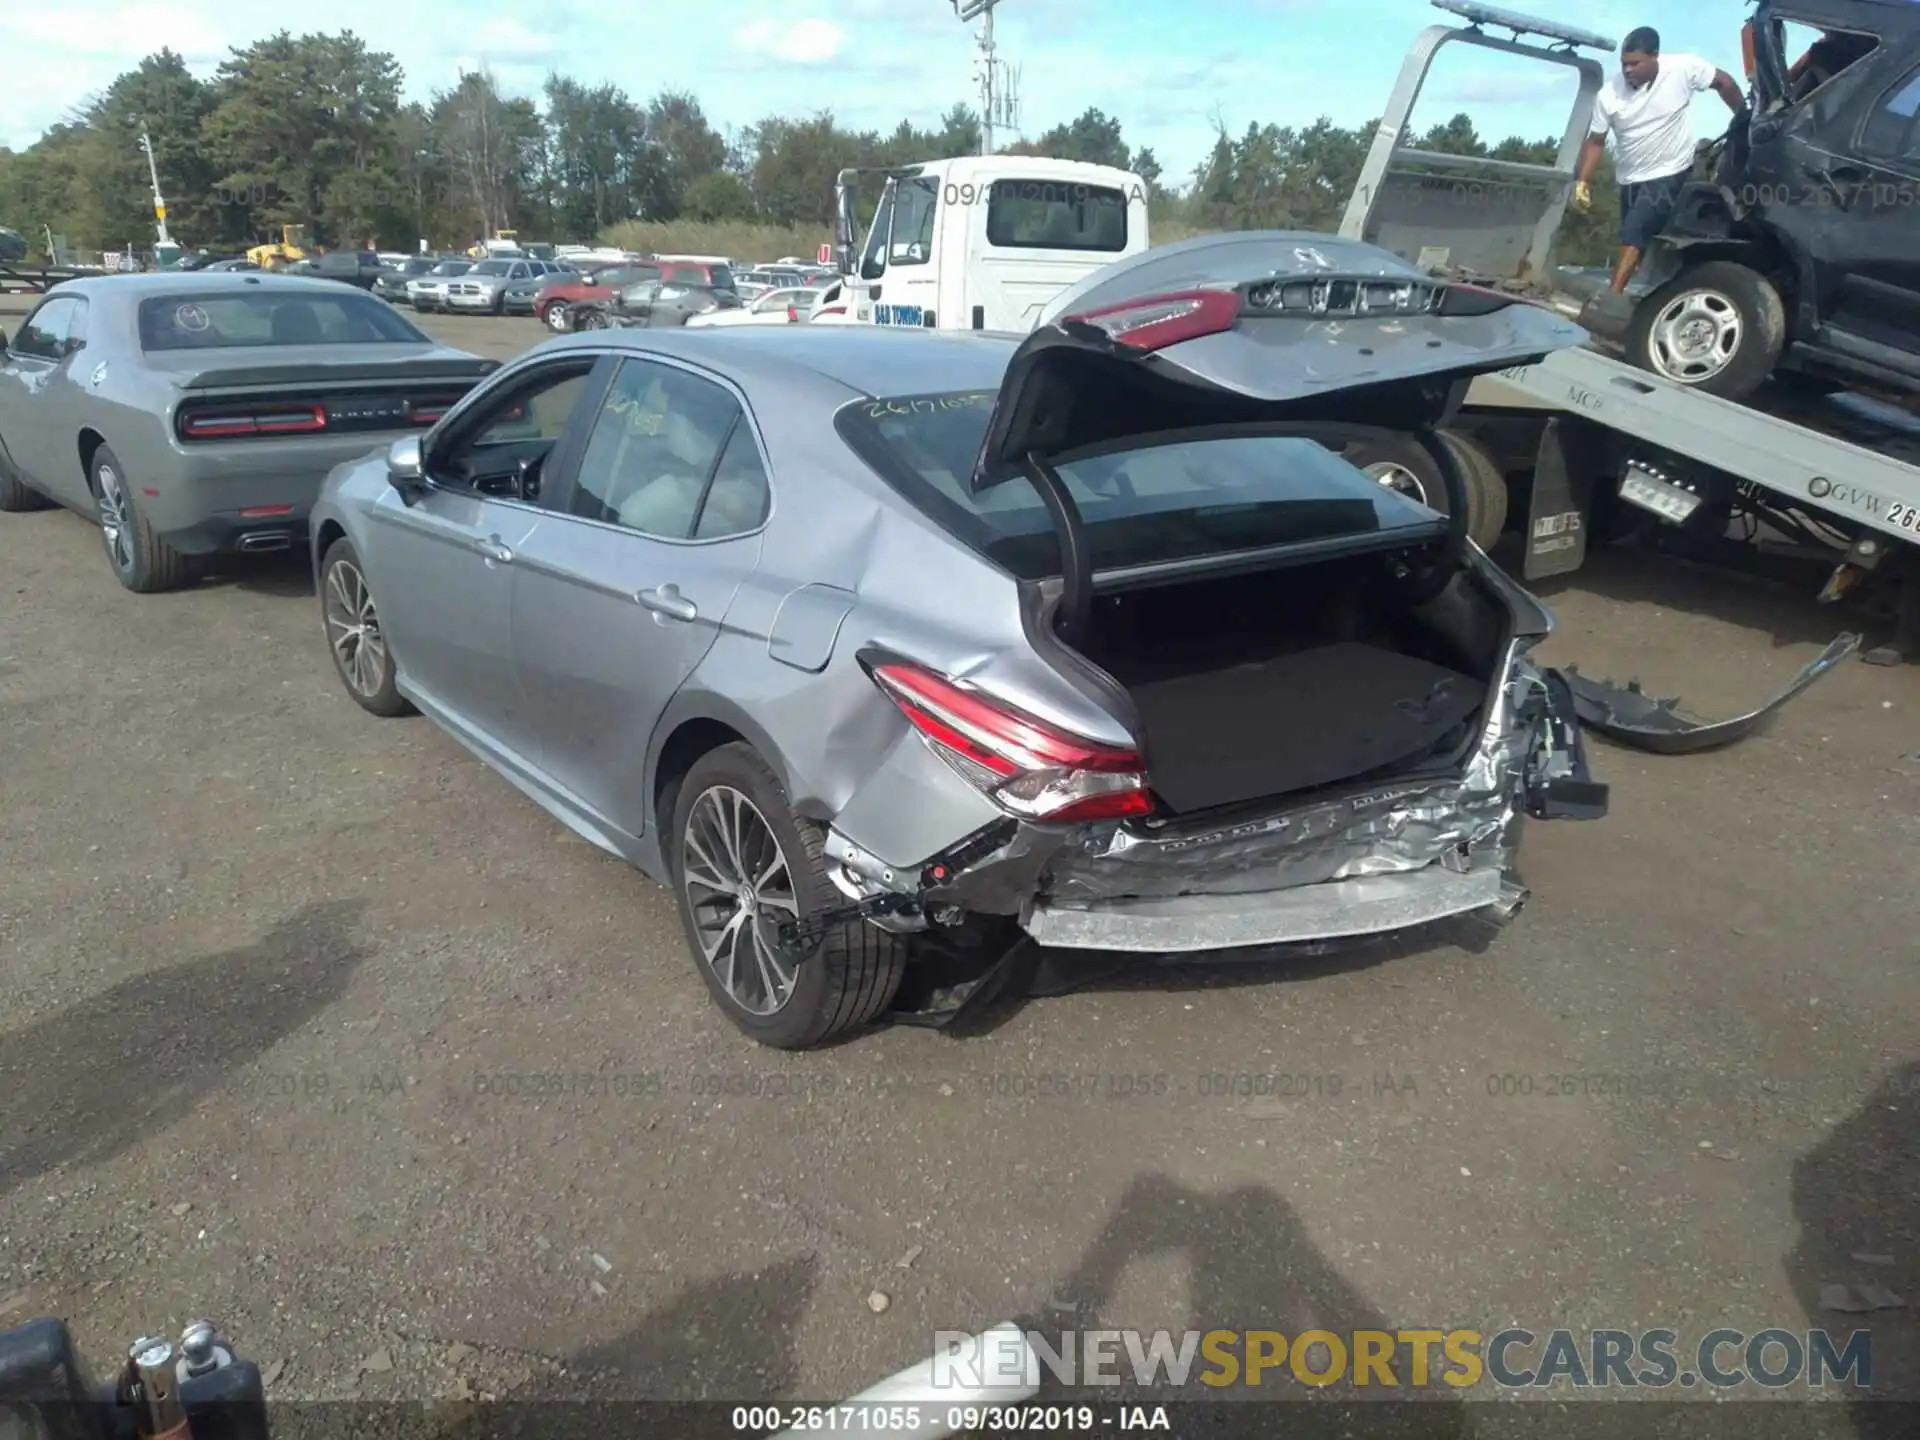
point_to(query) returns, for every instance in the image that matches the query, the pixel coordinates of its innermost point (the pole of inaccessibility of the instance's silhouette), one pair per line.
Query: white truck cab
(985, 241)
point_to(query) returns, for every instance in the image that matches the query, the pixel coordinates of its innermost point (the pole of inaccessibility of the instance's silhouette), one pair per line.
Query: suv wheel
(1718, 327)
(556, 317)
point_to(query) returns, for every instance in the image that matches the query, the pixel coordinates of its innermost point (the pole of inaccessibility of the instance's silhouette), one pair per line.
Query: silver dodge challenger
(196, 414)
(892, 650)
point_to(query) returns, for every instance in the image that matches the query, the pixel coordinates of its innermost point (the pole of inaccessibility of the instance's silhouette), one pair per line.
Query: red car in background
(553, 306)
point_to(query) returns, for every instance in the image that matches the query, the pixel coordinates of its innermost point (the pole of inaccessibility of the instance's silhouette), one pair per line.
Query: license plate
(1661, 497)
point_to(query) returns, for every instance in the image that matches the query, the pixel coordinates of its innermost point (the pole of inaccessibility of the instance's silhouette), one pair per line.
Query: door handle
(494, 550)
(668, 601)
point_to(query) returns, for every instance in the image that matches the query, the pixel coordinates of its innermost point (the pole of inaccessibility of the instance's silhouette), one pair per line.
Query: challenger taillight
(1026, 766)
(227, 422)
(429, 410)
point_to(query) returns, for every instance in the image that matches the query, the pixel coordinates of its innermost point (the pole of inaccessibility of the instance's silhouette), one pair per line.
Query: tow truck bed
(1800, 455)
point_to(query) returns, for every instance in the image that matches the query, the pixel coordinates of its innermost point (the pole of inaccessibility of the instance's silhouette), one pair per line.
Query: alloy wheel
(353, 629)
(1695, 336)
(116, 520)
(739, 891)
(557, 317)
(1399, 477)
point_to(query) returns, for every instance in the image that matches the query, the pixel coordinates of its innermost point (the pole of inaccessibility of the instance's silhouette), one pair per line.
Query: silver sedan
(880, 645)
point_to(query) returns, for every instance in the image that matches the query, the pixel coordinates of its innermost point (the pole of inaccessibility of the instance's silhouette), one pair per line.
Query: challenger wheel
(16, 496)
(1718, 327)
(743, 864)
(141, 560)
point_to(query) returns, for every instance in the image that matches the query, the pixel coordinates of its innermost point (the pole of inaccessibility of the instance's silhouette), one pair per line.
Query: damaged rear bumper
(1347, 865)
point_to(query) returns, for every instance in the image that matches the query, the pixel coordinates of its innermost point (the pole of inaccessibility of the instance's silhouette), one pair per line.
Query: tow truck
(980, 242)
(1591, 445)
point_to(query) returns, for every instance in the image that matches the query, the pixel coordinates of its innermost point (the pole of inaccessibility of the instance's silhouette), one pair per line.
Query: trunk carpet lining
(1294, 722)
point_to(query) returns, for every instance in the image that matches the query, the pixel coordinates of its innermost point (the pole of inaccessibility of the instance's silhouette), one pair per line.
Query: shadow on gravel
(1250, 1266)
(286, 575)
(1857, 1197)
(1779, 607)
(124, 1065)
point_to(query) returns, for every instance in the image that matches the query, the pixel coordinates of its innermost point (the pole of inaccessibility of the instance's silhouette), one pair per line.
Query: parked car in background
(428, 293)
(229, 266)
(195, 414)
(662, 304)
(484, 287)
(519, 296)
(391, 283)
(774, 307)
(561, 304)
(1231, 691)
(353, 267)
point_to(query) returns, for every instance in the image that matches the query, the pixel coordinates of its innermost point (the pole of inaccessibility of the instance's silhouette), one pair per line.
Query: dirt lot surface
(268, 967)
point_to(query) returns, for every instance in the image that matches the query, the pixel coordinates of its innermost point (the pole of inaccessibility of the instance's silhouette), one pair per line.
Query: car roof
(872, 360)
(199, 282)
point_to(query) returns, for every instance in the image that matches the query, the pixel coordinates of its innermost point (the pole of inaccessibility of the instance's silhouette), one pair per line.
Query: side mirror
(406, 468)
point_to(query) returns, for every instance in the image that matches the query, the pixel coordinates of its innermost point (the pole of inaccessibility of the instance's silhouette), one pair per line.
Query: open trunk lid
(1248, 328)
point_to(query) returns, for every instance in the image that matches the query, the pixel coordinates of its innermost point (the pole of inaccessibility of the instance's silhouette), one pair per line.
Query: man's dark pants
(1646, 206)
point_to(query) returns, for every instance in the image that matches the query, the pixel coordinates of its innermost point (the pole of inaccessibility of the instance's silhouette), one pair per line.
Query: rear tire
(556, 318)
(1719, 328)
(138, 557)
(843, 984)
(1486, 488)
(16, 496)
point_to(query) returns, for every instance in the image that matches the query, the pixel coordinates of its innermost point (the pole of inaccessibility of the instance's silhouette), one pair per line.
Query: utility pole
(996, 100)
(159, 205)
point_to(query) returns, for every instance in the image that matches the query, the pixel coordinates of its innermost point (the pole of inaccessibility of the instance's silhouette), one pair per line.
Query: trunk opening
(1252, 687)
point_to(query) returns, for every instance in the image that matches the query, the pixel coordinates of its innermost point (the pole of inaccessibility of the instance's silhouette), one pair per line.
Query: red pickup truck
(553, 306)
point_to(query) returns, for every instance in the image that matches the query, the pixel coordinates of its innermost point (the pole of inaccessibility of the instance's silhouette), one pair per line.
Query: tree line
(312, 130)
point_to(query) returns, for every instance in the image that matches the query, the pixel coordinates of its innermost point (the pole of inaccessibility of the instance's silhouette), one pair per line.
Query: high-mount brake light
(1024, 765)
(1155, 322)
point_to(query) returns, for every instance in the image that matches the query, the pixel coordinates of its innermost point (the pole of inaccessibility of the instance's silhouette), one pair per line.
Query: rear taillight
(793, 313)
(1024, 765)
(429, 411)
(1162, 320)
(1747, 59)
(228, 422)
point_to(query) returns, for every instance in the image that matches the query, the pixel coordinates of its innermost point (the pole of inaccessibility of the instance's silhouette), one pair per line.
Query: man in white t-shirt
(1648, 107)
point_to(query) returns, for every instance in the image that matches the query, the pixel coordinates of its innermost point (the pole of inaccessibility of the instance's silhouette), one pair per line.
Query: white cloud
(798, 42)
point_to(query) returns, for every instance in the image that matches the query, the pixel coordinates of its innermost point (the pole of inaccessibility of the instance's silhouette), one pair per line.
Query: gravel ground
(267, 965)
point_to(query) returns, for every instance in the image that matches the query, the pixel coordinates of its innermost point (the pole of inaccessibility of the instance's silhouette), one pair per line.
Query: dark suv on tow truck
(1801, 254)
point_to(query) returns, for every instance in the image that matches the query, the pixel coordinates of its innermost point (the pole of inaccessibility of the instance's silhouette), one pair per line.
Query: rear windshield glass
(1182, 499)
(1056, 215)
(264, 317)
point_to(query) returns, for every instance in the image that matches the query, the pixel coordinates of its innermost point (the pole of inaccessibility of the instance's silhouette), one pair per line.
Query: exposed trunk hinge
(1076, 565)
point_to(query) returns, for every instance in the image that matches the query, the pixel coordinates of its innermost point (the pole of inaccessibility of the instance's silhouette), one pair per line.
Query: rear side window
(1198, 495)
(265, 318)
(1891, 130)
(1056, 215)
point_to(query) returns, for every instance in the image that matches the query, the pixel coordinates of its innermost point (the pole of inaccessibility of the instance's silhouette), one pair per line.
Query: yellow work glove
(1582, 197)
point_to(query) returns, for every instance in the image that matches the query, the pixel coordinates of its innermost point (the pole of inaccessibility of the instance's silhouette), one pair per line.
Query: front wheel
(1718, 327)
(590, 320)
(361, 657)
(744, 863)
(556, 318)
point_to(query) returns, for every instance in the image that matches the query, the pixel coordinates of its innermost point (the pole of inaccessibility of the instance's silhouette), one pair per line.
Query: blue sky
(1167, 70)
